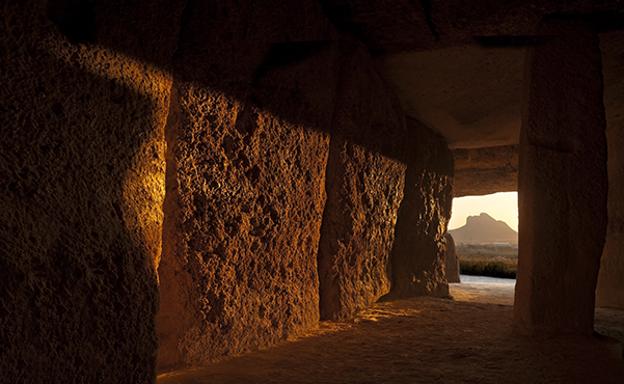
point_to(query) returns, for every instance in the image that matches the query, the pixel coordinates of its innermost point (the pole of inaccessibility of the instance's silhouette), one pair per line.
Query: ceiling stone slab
(388, 26)
(471, 95)
(485, 170)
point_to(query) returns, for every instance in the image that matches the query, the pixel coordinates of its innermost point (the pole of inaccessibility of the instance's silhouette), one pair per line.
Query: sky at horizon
(501, 206)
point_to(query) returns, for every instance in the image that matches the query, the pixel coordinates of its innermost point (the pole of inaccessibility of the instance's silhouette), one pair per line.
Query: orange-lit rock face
(250, 200)
(216, 128)
(249, 146)
(418, 251)
(364, 189)
(82, 185)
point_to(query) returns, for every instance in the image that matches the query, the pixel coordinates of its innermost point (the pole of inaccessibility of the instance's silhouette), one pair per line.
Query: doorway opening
(483, 231)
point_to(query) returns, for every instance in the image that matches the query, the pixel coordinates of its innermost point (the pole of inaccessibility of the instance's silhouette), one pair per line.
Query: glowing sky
(501, 206)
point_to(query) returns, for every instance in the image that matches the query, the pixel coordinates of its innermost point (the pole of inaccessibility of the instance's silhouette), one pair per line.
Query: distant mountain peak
(483, 218)
(482, 215)
(484, 229)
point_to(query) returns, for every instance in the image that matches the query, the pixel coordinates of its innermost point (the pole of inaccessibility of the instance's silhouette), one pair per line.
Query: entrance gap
(484, 230)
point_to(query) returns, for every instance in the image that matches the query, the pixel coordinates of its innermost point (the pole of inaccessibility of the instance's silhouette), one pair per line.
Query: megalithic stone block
(562, 182)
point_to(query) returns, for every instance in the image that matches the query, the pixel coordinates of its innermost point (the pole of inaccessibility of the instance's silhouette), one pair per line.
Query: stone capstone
(482, 171)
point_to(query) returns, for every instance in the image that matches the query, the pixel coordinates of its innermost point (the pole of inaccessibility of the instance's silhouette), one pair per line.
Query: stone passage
(562, 182)
(183, 181)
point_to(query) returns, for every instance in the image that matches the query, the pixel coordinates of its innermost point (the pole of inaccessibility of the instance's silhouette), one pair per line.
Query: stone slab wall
(252, 106)
(192, 139)
(82, 180)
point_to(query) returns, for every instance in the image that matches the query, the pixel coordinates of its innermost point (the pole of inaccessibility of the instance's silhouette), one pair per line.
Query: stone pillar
(610, 290)
(451, 261)
(364, 185)
(418, 251)
(562, 182)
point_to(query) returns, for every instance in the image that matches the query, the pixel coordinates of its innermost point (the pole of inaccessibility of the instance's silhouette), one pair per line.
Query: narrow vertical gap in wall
(169, 212)
(173, 314)
(327, 299)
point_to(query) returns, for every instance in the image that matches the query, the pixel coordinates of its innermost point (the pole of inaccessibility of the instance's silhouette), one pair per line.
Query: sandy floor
(426, 340)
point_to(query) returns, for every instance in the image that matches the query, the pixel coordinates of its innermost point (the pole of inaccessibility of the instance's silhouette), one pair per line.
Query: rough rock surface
(563, 172)
(364, 189)
(418, 250)
(248, 158)
(87, 93)
(246, 239)
(610, 289)
(482, 171)
(82, 176)
(450, 259)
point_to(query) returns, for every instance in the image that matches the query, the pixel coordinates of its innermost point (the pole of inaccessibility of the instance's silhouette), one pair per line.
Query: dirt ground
(426, 340)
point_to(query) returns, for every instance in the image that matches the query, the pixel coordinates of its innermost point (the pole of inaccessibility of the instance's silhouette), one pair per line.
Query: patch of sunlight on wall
(501, 206)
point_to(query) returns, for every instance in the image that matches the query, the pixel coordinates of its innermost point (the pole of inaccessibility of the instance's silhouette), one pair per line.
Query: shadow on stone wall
(85, 104)
(79, 182)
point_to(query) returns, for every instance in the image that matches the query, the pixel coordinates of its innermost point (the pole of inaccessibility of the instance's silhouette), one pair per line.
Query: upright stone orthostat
(562, 182)
(451, 261)
(610, 289)
(82, 180)
(247, 152)
(364, 189)
(418, 250)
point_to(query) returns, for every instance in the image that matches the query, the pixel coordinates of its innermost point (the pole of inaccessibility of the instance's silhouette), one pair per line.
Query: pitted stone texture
(250, 207)
(418, 251)
(487, 170)
(451, 261)
(247, 185)
(562, 183)
(610, 290)
(364, 190)
(81, 188)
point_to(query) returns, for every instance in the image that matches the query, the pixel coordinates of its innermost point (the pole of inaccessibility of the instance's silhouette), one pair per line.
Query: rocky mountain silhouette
(484, 229)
